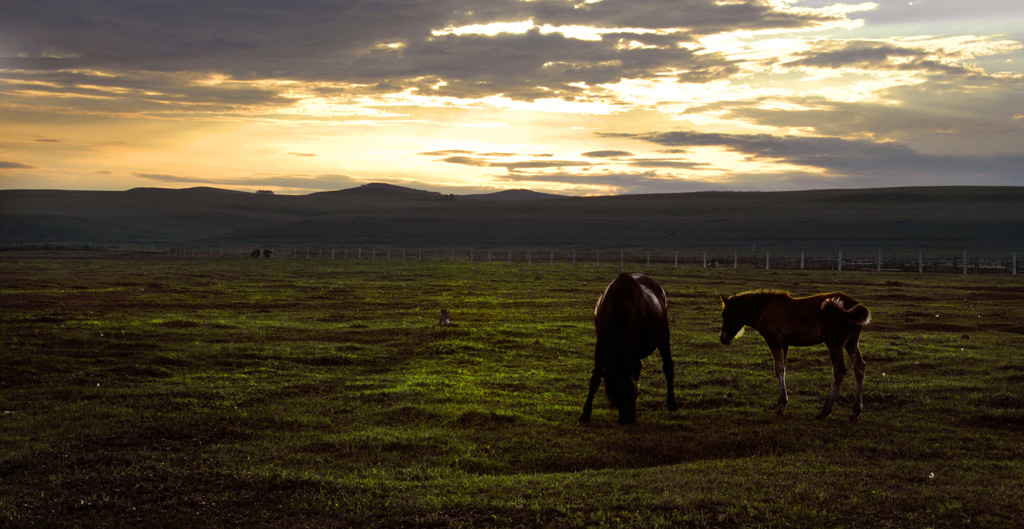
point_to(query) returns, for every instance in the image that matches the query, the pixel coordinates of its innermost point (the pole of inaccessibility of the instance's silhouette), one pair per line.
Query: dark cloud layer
(346, 41)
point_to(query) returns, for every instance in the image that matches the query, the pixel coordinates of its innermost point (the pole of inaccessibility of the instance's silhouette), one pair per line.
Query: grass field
(290, 393)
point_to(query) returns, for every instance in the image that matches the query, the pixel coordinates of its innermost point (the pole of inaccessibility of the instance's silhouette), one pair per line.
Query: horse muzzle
(725, 339)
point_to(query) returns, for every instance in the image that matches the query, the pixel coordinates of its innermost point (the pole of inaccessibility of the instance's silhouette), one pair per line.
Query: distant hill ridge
(382, 213)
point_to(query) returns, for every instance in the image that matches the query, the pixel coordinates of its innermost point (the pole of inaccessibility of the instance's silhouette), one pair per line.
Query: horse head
(732, 324)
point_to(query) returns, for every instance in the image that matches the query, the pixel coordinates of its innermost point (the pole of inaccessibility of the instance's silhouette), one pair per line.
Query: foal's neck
(753, 305)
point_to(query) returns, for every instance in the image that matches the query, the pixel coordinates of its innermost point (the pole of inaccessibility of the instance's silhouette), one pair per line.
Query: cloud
(514, 166)
(306, 154)
(877, 55)
(668, 163)
(607, 154)
(856, 162)
(467, 160)
(614, 182)
(15, 165)
(446, 153)
(295, 182)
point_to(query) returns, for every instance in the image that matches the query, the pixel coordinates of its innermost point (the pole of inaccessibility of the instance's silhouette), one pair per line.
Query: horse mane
(750, 304)
(763, 293)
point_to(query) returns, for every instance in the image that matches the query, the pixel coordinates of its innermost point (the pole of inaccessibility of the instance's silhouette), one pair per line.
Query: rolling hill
(386, 214)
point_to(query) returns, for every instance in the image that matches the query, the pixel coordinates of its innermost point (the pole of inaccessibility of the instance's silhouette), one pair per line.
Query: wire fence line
(933, 261)
(965, 262)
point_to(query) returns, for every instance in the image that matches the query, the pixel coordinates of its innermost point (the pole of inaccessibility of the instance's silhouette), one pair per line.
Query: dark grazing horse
(631, 320)
(255, 253)
(834, 319)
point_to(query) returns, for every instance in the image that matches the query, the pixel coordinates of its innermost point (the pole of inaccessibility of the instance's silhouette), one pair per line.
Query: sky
(578, 97)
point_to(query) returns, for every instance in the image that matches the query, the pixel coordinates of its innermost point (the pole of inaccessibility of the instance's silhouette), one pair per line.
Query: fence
(880, 261)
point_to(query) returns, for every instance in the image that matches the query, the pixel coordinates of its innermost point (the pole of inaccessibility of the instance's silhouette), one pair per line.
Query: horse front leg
(835, 354)
(668, 367)
(595, 383)
(859, 367)
(779, 355)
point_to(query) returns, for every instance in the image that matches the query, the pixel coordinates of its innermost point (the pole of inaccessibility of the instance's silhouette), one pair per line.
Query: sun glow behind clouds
(588, 33)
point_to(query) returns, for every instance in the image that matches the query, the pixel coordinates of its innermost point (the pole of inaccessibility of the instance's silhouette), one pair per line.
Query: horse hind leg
(668, 367)
(595, 383)
(835, 353)
(859, 367)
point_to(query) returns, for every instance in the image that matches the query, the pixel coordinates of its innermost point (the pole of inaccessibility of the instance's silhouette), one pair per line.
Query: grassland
(153, 391)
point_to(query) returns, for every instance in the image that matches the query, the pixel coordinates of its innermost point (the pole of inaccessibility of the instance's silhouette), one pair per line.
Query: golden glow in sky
(460, 96)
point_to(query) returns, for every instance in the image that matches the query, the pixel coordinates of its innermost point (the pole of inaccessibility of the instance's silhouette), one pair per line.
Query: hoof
(672, 406)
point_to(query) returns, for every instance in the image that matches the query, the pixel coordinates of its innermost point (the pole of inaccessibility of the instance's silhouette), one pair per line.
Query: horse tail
(856, 315)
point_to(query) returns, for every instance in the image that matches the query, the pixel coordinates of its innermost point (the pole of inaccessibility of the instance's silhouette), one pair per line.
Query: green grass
(220, 392)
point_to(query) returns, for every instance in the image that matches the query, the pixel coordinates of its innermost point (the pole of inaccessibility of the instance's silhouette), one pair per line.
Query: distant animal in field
(834, 319)
(446, 319)
(267, 253)
(255, 254)
(631, 320)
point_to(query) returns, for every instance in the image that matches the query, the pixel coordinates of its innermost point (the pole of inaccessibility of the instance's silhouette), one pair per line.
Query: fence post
(598, 258)
(1014, 263)
(574, 257)
(965, 262)
(648, 259)
(840, 260)
(801, 259)
(622, 258)
(552, 257)
(920, 262)
(704, 259)
(767, 259)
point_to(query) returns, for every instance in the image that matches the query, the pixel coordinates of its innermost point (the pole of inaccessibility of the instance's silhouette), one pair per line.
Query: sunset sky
(465, 96)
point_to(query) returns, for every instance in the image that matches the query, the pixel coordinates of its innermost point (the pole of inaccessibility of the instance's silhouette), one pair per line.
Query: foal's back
(804, 321)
